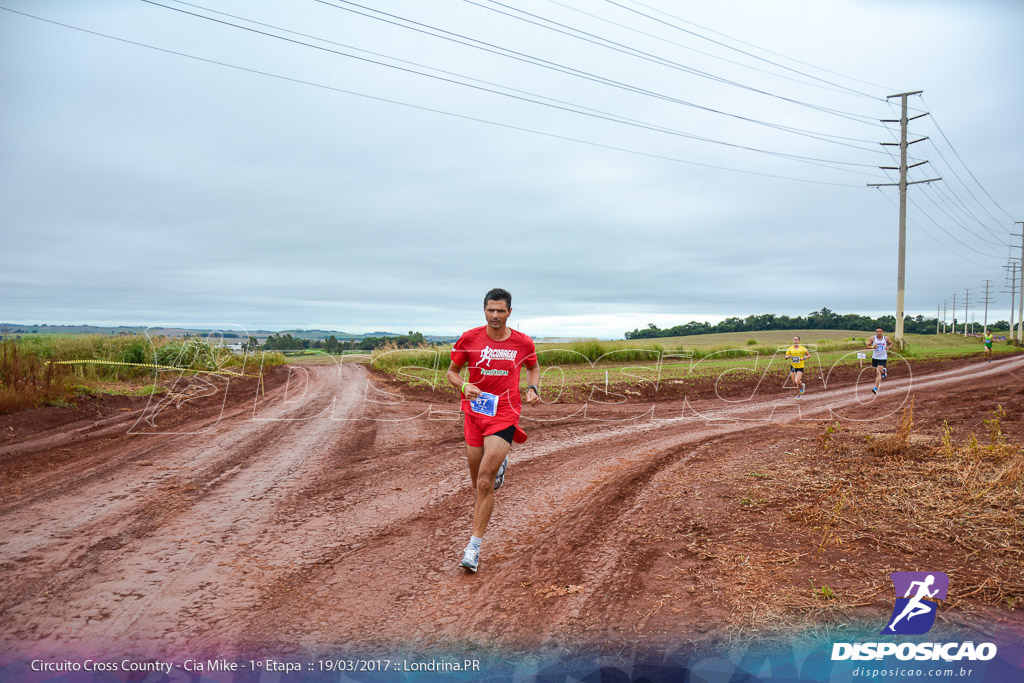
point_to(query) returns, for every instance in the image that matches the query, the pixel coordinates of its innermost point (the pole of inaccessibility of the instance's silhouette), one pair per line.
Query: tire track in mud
(150, 560)
(563, 494)
(311, 532)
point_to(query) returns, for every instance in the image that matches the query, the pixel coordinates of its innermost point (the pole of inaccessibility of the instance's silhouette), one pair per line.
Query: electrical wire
(934, 238)
(736, 49)
(593, 113)
(952, 190)
(939, 128)
(421, 107)
(973, 233)
(520, 56)
(954, 237)
(707, 54)
(777, 54)
(629, 50)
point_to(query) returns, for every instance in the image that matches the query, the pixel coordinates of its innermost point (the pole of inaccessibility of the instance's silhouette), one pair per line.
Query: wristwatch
(535, 389)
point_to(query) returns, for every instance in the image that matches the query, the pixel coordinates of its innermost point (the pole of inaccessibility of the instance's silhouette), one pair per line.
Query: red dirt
(331, 512)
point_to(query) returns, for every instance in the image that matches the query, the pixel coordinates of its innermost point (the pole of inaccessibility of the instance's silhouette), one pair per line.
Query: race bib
(485, 404)
(796, 360)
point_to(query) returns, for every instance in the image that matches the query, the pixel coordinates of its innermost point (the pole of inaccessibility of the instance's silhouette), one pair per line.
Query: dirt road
(331, 512)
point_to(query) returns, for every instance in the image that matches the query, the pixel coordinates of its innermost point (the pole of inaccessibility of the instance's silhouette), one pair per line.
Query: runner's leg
(494, 451)
(474, 454)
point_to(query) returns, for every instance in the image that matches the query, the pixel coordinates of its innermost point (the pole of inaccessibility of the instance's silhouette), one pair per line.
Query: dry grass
(832, 523)
(960, 494)
(896, 444)
(28, 382)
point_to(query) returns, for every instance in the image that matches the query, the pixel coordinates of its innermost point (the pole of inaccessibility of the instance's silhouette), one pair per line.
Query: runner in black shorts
(495, 355)
(879, 345)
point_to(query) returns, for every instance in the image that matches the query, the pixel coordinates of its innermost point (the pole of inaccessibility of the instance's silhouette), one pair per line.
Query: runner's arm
(455, 379)
(532, 378)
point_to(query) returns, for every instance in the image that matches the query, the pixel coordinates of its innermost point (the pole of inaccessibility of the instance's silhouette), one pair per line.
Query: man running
(988, 339)
(796, 354)
(879, 345)
(490, 400)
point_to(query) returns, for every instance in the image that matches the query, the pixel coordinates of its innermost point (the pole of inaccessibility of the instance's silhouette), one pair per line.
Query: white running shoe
(471, 559)
(499, 478)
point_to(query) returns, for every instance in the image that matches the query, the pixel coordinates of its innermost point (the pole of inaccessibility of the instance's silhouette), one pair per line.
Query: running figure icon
(915, 607)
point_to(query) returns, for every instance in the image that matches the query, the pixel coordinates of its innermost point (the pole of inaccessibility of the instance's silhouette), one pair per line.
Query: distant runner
(879, 344)
(490, 401)
(796, 355)
(988, 338)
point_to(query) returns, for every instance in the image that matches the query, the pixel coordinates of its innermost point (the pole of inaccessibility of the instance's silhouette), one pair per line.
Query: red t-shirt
(494, 368)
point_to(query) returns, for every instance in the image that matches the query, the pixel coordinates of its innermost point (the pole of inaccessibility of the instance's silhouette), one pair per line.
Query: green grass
(41, 369)
(635, 362)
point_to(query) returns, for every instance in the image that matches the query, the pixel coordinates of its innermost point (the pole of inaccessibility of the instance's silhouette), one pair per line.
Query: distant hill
(24, 329)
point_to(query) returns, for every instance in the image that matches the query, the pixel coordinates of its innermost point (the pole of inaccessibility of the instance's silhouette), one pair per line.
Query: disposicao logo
(914, 614)
(914, 611)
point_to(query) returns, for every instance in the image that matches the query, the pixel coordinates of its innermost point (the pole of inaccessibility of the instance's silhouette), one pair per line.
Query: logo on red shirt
(487, 354)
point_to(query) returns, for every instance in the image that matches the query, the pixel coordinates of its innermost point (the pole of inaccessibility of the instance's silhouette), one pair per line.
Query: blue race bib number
(485, 404)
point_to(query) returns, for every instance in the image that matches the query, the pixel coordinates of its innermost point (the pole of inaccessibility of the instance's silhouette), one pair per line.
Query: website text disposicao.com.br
(919, 652)
(869, 673)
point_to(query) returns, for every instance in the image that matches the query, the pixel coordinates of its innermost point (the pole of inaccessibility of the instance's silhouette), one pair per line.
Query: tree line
(824, 319)
(286, 342)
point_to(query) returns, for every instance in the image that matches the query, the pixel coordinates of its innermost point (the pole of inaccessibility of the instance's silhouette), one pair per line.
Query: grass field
(637, 361)
(53, 369)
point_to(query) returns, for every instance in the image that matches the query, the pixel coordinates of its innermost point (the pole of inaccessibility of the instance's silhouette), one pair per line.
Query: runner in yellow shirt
(796, 355)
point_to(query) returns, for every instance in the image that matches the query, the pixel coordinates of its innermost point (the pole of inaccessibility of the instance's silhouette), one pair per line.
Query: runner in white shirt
(879, 345)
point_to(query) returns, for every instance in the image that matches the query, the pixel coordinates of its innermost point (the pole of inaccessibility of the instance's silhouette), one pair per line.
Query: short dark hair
(498, 294)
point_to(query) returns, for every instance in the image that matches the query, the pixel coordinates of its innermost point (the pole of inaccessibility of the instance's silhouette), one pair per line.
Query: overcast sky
(139, 186)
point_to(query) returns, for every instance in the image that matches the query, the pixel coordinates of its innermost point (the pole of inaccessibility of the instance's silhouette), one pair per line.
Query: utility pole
(901, 266)
(954, 314)
(987, 300)
(944, 316)
(936, 319)
(1013, 293)
(967, 300)
(1020, 310)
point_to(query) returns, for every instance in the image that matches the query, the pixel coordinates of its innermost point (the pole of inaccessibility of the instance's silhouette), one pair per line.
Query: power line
(572, 109)
(421, 107)
(954, 237)
(499, 85)
(537, 61)
(939, 128)
(935, 239)
(736, 49)
(777, 54)
(708, 54)
(963, 184)
(956, 203)
(796, 130)
(616, 46)
(928, 185)
(956, 221)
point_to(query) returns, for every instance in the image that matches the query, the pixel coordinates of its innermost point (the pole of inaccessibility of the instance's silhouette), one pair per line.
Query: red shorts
(477, 427)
